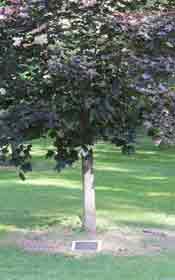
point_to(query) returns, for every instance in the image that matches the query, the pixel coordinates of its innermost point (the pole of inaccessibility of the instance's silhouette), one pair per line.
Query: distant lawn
(16, 265)
(131, 191)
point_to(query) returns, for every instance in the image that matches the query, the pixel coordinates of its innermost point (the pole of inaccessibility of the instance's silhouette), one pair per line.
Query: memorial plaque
(86, 245)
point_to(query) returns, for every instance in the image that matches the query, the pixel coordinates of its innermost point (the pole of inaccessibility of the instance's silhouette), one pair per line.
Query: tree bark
(14, 153)
(89, 217)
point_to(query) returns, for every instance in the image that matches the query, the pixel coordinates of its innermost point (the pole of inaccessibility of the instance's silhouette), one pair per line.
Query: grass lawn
(134, 192)
(16, 265)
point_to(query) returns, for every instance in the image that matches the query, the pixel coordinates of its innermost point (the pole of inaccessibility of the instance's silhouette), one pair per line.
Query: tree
(156, 65)
(160, 121)
(82, 85)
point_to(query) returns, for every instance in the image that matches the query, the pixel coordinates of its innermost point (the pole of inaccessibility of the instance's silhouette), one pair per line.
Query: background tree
(154, 70)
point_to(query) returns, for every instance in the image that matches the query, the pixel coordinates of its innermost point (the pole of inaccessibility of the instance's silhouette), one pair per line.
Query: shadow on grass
(137, 190)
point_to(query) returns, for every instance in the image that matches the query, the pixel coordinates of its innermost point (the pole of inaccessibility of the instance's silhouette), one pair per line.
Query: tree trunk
(14, 152)
(89, 217)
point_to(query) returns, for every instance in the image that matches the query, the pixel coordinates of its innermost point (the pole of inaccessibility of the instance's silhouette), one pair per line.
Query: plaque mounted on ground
(86, 245)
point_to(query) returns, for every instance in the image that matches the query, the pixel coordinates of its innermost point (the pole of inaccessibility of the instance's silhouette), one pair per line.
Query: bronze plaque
(86, 245)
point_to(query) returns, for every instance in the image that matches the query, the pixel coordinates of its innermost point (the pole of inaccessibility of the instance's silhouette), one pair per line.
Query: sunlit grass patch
(15, 264)
(136, 191)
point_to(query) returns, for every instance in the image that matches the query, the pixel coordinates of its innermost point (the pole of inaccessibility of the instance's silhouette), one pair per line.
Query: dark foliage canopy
(79, 71)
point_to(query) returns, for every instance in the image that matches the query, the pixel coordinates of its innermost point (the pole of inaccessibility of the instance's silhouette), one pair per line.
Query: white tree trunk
(89, 217)
(13, 150)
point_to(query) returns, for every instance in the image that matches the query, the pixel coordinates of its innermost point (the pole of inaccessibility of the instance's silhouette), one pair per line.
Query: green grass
(132, 191)
(136, 191)
(16, 265)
